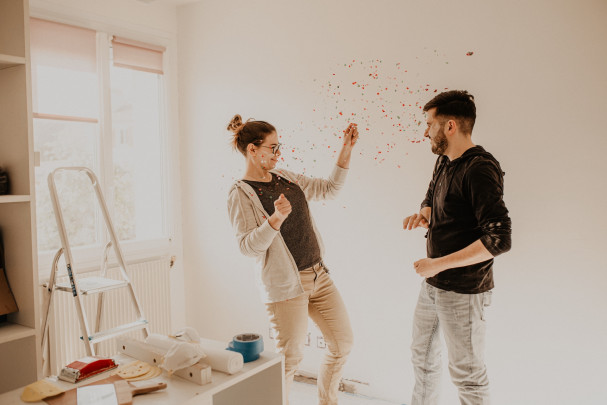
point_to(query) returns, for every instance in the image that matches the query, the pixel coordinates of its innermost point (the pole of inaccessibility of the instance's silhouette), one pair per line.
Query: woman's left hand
(350, 135)
(350, 138)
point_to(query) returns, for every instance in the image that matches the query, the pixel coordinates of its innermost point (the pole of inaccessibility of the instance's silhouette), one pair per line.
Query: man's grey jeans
(462, 320)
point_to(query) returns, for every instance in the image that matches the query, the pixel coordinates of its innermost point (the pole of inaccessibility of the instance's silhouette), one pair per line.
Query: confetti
(384, 99)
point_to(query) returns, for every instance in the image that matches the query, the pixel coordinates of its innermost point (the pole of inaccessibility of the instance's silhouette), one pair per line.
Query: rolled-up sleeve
(253, 240)
(486, 190)
(323, 189)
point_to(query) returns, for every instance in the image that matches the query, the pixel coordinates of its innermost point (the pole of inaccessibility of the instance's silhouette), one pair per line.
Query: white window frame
(89, 258)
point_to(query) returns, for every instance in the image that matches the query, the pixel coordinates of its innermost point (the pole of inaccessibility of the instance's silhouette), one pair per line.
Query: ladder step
(93, 285)
(119, 330)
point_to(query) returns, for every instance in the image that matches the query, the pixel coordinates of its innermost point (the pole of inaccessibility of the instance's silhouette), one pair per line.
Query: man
(468, 225)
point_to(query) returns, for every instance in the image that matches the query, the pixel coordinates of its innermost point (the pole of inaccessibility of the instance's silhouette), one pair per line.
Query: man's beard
(439, 143)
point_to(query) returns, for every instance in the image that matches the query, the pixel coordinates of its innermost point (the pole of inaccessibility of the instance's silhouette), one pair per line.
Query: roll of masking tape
(250, 345)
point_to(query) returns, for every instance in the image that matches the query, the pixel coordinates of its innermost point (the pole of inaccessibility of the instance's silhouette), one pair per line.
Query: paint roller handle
(148, 388)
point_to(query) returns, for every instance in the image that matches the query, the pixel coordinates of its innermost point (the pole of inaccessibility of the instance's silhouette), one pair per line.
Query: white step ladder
(89, 285)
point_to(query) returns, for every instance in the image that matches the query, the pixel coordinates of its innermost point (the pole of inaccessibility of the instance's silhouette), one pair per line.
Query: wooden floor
(305, 394)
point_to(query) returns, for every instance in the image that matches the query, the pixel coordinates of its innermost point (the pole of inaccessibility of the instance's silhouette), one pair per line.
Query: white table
(260, 382)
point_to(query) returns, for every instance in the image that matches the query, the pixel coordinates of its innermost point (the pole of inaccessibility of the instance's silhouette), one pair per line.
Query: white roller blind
(137, 55)
(65, 82)
(64, 46)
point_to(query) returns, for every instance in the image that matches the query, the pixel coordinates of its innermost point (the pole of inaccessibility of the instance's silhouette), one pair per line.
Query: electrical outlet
(308, 339)
(320, 342)
(272, 334)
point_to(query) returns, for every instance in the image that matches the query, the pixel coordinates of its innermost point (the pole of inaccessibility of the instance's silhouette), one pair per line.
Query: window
(98, 102)
(136, 78)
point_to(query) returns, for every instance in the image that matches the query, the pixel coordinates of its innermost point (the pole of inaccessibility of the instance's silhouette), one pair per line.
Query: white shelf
(20, 351)
(5, 199)
(11, 331)
(7, 61)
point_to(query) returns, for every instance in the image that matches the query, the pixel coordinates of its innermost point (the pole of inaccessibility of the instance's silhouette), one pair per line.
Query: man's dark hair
(457, 105)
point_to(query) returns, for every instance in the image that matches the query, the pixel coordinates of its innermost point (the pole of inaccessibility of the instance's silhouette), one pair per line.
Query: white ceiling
(172, 2)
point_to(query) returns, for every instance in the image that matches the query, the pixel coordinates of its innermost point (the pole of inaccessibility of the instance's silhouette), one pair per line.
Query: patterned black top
(297, 230)
(466, 196)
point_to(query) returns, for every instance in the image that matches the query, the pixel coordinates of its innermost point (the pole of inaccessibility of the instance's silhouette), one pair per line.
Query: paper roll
(177, 354)
(223, 360)
(162, 342)
(187, 334)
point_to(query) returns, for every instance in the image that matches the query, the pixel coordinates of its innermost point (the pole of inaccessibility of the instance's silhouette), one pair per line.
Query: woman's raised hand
(351, 135)
(350, 138)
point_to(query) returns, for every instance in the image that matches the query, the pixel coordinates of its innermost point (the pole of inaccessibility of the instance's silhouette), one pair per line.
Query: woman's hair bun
(235, 124)
(248, 132)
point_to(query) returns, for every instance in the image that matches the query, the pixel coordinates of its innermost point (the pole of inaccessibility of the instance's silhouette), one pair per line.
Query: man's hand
(416, 220)
(427, 267)
(474, 253)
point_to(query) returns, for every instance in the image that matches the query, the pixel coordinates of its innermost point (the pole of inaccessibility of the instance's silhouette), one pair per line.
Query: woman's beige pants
(322, 302)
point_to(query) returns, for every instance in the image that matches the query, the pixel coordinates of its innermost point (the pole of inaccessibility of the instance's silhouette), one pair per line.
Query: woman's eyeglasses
(274, 148)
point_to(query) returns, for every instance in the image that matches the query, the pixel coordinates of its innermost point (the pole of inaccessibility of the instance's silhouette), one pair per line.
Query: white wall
(538, 75)
(153, 23)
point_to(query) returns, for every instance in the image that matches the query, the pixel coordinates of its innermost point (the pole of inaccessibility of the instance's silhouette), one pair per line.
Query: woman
(269, 211)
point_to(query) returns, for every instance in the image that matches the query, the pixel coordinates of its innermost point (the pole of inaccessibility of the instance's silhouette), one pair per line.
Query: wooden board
(124, 391)
(70, 397)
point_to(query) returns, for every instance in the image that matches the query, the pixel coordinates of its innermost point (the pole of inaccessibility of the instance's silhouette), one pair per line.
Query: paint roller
(221, 360)
(178, 354)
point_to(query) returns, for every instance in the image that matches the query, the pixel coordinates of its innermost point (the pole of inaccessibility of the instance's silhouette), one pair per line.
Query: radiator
(152, 286)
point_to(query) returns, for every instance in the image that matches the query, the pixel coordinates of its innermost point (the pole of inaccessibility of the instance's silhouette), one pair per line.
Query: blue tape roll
(250, 345)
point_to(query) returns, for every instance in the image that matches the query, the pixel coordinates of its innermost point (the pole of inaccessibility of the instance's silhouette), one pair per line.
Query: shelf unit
(20, 354)
(14, 198)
